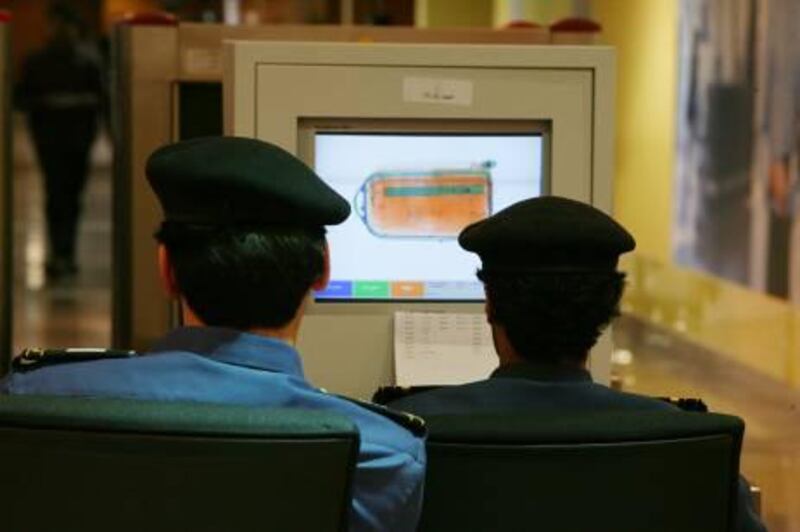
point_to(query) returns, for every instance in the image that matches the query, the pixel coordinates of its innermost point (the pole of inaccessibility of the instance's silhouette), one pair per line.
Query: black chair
(78, 464)
(600, 472)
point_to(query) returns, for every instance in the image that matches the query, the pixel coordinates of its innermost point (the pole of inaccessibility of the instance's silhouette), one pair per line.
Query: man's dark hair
(244, 277)
(65, 13)
(553, 317)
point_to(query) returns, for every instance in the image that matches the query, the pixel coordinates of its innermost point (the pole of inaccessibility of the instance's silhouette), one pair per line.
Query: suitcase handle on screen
(360, 202)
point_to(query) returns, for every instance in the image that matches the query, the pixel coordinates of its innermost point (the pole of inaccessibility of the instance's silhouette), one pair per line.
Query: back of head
(66, 20)
(554, 318)
(244, 277)
(63, 12)
(550, 274)
(244, 228)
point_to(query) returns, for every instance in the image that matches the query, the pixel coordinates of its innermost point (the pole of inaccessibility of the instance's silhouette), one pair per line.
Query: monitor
(412, 192)
(422, 140)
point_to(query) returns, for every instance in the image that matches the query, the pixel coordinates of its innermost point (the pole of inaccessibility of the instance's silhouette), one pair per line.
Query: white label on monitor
(442, 91)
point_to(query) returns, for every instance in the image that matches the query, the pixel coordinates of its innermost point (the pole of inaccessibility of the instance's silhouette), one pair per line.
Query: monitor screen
(411, 195)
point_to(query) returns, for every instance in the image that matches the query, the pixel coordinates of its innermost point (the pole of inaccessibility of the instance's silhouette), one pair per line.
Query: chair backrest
(124, 465)
(604, 472)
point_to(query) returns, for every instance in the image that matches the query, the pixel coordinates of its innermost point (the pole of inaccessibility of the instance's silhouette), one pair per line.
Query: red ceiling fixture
(150, 18)
(576, 25)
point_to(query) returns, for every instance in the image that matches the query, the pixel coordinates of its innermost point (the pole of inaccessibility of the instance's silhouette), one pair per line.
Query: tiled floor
(79, 314)
(662, 365)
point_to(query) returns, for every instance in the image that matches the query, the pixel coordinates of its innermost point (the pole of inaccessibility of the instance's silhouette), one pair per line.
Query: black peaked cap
(548, 233)
(234, 180)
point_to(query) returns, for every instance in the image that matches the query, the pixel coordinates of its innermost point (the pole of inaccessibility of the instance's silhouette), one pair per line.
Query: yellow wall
(540, 11)
(645, 33)
(752, 328)
(756, 330)
(454, 13)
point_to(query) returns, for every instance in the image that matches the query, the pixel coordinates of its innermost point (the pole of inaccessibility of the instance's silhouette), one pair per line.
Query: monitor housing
(295, 94)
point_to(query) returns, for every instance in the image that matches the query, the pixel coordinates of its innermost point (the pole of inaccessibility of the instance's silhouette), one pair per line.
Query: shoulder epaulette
(410, 422)
(689, 404)
(35, 358)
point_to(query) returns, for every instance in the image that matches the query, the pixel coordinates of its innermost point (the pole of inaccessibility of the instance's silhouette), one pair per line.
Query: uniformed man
(549, 269)
(61, 91)
(241, 248)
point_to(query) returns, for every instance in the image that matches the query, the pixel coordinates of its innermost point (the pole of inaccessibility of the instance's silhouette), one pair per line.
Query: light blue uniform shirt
(214, 365)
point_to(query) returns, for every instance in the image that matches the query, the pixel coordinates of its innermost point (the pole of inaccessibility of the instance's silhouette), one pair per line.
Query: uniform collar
(234, 347)
(541, 372)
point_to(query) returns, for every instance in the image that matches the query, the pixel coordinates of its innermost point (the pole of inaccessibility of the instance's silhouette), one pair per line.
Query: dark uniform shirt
(528, 387)
(216, 365)
(542, 389)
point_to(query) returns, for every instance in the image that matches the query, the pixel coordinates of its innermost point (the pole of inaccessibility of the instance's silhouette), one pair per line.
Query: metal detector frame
(6, 197)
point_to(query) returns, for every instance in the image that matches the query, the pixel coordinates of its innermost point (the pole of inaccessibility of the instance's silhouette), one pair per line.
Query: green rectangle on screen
(372, 289)
(445, 190)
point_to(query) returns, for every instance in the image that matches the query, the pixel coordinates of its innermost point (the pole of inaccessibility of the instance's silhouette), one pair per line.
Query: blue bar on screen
(337, 290)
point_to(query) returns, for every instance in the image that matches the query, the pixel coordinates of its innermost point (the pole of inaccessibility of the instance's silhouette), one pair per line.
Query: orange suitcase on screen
(435, 204)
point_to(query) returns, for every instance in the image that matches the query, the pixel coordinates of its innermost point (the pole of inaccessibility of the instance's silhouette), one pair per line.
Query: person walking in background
(60, 90)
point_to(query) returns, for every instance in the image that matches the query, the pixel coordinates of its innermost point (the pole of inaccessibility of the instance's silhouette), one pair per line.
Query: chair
(600, 472)
(83, 464)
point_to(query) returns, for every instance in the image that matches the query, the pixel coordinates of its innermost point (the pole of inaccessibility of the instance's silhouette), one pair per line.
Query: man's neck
(509, 356)
(287, 333)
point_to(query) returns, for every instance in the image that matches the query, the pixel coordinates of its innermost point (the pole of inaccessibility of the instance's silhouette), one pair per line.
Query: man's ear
(488, 307)
(166, 273)
(322, 281)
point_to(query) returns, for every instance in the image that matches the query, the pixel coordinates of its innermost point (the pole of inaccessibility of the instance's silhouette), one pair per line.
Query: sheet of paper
(441, 348)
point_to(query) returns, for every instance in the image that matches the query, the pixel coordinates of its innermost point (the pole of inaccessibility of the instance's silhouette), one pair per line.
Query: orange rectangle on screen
(408, 289)
(437, 203)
